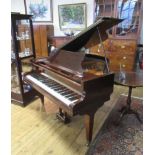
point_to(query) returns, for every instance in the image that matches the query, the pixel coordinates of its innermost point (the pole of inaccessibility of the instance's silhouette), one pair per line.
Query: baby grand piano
(77, 82)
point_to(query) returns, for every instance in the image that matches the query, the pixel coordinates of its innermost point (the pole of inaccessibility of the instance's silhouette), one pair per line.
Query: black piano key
(70, 91)
(67, 91)
(47, 80)
(62, 90)
(59, 91)
(64, 93)
(73, 95)
(52, 85)
(57, 88)
(62, 87)
(73, 98)
(69, 95)
(52, 82)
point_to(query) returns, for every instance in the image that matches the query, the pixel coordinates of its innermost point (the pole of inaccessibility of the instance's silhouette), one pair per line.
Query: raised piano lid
(90, 34)
(69, 59)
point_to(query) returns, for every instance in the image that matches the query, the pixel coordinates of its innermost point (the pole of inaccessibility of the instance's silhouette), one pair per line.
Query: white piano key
(51, 91)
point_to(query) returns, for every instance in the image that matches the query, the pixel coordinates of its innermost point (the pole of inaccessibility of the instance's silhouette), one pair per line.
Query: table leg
(127, 109)
(136, 114)
(129, 98)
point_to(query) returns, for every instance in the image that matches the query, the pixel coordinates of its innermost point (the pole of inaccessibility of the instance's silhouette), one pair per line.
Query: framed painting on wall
(40, 9)
(72, 16)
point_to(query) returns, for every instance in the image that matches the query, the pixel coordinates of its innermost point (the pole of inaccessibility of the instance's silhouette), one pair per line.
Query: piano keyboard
(59, 91)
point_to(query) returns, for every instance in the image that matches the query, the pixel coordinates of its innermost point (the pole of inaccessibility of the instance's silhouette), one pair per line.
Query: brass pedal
(62, 116)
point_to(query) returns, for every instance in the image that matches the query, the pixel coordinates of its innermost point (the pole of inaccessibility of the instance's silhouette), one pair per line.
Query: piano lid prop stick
(101, 43)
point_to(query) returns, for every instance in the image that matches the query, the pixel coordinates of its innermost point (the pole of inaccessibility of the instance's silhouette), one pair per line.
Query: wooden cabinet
(122, 53)
(104, 8)
(121, 46)
(40, 39)
(119, 52)
(57, 41)
(129, 10)
(22, 51)
(41, 33)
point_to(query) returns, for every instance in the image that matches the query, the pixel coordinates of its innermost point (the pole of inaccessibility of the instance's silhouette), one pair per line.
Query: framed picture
(40, 9)
(72, 16)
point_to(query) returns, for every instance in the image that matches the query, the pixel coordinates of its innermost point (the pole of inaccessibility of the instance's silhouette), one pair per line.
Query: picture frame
(72, 16)
(40, 9)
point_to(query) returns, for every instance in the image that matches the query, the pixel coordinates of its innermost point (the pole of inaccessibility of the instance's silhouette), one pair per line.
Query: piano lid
(76, 65)
(91, 33)
(70, 59)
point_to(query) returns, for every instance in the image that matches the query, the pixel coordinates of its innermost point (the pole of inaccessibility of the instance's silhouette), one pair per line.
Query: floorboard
(36, 131)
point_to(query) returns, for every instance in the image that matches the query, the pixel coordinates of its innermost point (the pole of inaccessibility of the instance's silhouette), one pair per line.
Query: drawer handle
(124, 57)
(122, 46)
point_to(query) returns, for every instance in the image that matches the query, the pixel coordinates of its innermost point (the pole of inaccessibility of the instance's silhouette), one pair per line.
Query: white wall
(89, 13)
(18, 6)
(141, 35)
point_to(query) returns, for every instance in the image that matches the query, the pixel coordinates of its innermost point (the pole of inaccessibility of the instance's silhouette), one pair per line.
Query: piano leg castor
(63, 116)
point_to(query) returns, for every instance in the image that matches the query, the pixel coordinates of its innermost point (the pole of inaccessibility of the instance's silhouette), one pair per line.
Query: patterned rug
(123, 139)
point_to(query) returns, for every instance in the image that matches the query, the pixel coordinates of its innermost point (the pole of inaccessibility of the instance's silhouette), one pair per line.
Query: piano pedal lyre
(63, 116)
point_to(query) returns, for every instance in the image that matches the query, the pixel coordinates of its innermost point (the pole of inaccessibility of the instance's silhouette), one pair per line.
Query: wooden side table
(131, 80)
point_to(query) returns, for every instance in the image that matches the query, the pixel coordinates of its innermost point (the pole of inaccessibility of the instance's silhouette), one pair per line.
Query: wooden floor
(36, 131)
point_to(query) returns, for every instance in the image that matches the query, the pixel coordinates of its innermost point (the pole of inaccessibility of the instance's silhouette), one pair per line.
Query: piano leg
(42, 100)
(60, 111)
(42, 108)
(89, 122)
